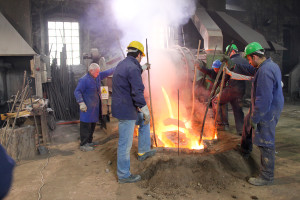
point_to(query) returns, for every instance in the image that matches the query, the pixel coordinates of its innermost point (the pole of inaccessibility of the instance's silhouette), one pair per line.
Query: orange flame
(189, 139)
(168, 102)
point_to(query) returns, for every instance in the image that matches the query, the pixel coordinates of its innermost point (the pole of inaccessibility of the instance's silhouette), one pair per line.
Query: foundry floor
(72, 174)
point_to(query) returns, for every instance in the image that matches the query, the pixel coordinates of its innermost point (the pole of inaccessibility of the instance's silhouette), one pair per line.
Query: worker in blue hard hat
(222, 119)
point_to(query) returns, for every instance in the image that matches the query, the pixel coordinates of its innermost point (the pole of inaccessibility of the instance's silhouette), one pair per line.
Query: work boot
(147, 155)
(131, 179)
(86, 147)
(93, 144)
(259, 181)
(226, 127)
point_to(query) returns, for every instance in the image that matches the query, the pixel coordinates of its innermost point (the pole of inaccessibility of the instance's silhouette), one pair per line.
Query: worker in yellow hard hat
(130, 108)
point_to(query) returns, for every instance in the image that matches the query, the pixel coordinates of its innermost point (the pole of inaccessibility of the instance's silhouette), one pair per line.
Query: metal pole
(178, 122)
(194, 81)
(219, 97)
(153, 123)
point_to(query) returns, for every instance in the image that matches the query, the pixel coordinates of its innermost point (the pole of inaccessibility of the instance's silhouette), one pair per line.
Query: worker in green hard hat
(266, 105)
(235, 90)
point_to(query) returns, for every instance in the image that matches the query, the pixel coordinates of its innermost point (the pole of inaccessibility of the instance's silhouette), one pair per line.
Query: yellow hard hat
(137, 45)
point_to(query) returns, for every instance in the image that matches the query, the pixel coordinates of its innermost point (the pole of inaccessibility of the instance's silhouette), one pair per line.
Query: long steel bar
(178, 122)
(149, 84)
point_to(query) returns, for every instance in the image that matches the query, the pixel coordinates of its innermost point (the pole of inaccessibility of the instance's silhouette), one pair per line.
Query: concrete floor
(72, 174)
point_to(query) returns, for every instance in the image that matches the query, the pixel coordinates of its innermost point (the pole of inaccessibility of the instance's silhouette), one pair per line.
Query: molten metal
(167, 129)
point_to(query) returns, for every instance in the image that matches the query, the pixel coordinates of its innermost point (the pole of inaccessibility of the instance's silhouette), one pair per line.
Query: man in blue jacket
(267, 102)
(6, 172)
(130, 108)
(88, 95)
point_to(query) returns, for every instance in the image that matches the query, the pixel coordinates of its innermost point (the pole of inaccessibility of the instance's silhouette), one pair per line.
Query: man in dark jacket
(267, 102)
(266, 105)
(130, 108)
(88, 95)
(6, 172)
(235, 90)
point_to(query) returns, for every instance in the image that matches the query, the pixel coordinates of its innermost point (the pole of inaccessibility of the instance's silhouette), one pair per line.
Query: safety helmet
(254, 47)
(233, 47)
(216, 64)
(137, 45)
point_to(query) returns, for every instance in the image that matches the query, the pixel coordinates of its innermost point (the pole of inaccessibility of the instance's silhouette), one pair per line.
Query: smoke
(172, 69)
(141, 19)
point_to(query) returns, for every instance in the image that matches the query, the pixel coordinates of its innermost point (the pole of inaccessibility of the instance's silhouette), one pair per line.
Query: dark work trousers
(86, 132)
(234, 97)
(246, 141)
(267, 153)
(267, 163)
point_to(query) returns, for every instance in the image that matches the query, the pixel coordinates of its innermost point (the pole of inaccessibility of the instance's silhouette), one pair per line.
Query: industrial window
(60, 33)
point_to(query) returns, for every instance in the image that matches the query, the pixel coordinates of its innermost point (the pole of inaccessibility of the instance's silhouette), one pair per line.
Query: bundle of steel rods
(60, 92)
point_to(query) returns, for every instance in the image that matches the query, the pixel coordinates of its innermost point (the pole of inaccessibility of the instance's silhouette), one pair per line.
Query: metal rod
(194, 81)
(149, 84)
(35, 122)
(178, 122)
(17, 115)
(8, 119)
(219, 98)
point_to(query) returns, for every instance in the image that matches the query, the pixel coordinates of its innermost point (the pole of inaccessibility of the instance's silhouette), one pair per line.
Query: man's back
(128, 89)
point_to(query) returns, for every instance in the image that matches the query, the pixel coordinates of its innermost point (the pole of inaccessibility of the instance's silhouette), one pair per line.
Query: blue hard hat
(216, 64)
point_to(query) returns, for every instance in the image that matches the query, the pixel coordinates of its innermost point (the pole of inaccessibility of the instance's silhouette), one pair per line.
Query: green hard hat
(253, 47)
(233, 47)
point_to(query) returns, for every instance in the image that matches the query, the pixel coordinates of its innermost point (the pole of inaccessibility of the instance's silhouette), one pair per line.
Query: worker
(222, 119)
(235, 89)
(6, 172)
(266, 105)
(130, 108)
(88, 95)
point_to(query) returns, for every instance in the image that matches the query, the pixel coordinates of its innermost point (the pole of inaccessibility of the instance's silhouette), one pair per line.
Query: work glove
(253, 125)
(225, 58)
(236, 76)
(146, 66)
(146, 114)
(228, 61)
(199, 64)
(82, 106)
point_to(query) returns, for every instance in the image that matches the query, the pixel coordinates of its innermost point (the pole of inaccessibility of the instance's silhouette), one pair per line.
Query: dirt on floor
(219, 172)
